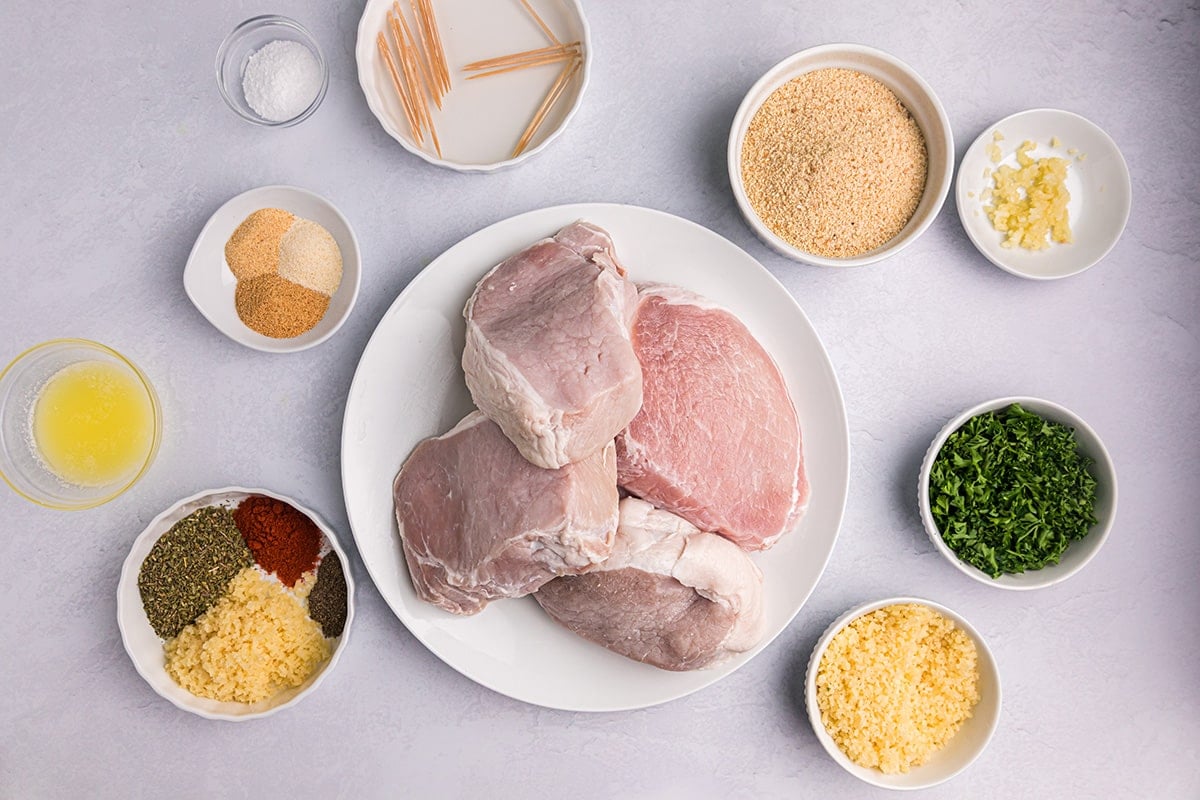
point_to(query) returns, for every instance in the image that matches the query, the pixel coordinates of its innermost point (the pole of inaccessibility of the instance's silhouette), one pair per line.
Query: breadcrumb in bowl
(908, 688)
(821, 191)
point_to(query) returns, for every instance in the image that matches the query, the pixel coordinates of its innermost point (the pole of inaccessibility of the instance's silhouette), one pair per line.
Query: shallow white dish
(962, 749)
(146, 649)
(481, 120)
(916, 95)
(1079, 553)
(409, 386)
(210, 284)
(1099, 187)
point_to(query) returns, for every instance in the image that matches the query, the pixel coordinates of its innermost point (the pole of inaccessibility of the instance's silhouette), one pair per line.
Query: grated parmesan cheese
(895, 685)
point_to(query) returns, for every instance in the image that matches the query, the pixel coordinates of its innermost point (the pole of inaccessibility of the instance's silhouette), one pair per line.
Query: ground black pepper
(189, 568)
(327, 601)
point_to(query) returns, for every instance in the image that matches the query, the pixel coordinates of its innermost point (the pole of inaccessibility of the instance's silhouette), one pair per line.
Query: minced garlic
(1029, 203)
(255, 641)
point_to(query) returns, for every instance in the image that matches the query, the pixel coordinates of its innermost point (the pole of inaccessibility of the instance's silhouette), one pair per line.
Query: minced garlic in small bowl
(1043, 194)
(902, 693)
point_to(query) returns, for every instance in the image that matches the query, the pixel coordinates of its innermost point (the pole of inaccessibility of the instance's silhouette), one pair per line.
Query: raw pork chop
(717, 440)
(668, 595)
(548, 354)
(478, 521)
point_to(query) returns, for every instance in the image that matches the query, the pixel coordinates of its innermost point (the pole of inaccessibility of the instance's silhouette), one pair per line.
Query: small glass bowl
(246, 39)
(20, 465)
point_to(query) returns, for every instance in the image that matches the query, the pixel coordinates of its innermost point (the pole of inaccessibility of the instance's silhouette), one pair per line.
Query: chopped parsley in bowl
(1018, 492)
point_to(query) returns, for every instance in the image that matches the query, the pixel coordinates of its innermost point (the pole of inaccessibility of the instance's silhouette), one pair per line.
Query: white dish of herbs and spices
(1043, 194)
(474, 87)
(235, 603)
(840, 155)
(1018, 493)
(903, 693)
(276, 268)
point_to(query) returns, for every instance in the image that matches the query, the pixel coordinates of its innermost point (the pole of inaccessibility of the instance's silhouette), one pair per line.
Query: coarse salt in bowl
(145, 648)
(964, 746)
(911, 90)
(281, 79)
(1080, 552)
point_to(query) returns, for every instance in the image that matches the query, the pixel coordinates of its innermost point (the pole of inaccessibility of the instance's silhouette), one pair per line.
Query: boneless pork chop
(477, 521)
(717, 440)
(669, 595)
(547, 353)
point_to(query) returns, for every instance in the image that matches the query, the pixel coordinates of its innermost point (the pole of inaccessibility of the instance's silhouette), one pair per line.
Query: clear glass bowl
(246, 39)
(20, 384)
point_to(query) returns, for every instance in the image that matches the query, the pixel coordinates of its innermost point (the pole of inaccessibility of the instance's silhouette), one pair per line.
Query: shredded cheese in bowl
(895, 685)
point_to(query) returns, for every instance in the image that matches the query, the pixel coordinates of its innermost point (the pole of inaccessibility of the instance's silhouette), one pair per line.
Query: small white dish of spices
(840, 155)
(474, 87)
(878, 723)
(271, 72)
(235, 603)
(1043, 194)
(1018, 493)
(276, 268)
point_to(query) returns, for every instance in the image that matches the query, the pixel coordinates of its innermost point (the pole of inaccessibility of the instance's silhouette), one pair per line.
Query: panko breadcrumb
(895, 685)
(255, 641)
(833, 163)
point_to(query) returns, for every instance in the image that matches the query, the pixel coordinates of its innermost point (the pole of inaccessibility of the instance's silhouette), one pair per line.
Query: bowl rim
(282, 346)
(265, 20)
(745, 114)
(130, 570)
(984, 139)
(155, 409)
(585, 73)
(987, 657)
(1048, 575)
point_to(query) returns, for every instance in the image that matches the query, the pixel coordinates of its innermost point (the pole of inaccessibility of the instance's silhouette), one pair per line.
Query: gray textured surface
(114, 149)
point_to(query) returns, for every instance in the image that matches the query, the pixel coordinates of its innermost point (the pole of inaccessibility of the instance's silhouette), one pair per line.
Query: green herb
(189, 568)
(1009, 491)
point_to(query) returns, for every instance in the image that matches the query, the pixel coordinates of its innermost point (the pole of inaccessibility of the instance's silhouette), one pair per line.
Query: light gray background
(114, 149)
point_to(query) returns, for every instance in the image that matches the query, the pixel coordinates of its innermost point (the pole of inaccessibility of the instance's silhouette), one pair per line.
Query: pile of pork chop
(590, 387)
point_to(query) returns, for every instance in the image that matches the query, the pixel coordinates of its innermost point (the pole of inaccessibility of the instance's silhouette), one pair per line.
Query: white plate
(144, 647)
(409, 386)
(210, 284)
(1099, 187)
(480, 120)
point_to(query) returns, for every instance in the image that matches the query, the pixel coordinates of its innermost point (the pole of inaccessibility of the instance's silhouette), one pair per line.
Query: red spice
(284, 540)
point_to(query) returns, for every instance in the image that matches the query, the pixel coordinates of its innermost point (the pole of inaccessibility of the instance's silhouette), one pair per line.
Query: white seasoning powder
(282, 78)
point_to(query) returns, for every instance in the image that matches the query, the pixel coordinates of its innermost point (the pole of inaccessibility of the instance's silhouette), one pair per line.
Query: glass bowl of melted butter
(79, 424)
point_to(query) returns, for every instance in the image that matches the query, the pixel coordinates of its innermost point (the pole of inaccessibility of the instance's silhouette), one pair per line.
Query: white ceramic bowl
(1079, 553)
(144, 646)
(1099, 187)
(958, 754)
(211, 285)
(912, 91)
(481, 120)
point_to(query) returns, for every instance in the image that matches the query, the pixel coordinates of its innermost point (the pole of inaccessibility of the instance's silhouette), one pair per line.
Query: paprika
(282, 538)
